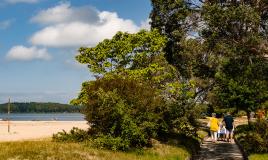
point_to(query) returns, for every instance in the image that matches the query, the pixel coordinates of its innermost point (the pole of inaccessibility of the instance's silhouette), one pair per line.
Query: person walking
(214, 127)
(229, 124)
(221, 132)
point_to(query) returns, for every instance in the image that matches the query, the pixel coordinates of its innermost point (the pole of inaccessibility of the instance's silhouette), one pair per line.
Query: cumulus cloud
(23, 53)
(5, 24)
(21, 1)
(68, 26)
(64, 13)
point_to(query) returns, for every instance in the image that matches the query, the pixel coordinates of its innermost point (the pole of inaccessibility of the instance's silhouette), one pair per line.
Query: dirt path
(219, 151)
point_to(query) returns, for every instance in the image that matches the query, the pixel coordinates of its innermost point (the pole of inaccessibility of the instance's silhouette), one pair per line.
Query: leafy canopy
(123, 51)
(221, 45)
(137, 94)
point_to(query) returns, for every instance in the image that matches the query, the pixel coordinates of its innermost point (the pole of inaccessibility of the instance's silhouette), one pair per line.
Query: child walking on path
(221, 132)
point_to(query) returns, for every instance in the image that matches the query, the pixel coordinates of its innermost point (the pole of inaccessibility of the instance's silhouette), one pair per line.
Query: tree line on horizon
(38, 107)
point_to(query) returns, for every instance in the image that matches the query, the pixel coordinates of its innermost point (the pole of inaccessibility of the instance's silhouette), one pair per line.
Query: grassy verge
(258, 156)
(45, 149)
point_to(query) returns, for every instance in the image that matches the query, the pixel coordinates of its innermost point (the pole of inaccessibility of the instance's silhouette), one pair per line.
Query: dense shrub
(180, 111)
(137, 95)
(112, 143)
(180, 119)
(127, 113)
(254, 137)
(75, 135)
(123, 113)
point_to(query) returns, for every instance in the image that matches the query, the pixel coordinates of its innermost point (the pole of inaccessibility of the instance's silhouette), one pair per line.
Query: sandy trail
(219, 151)
(26, 130)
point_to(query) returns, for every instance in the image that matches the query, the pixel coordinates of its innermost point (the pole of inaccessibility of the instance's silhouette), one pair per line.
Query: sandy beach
(28, 130)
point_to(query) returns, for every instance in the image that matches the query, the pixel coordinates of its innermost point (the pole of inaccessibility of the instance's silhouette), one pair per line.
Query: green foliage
(258, 156)
(137, 95)
(122, 108)
(138, 56)
(75, 135)
(123, 51)
(233, 34)
(125, 113)
(241, 113)
(219, 44)
(180, 110)
(112, 143)
(170, 18)
(242, 86)
(34, 107)
(253, 138)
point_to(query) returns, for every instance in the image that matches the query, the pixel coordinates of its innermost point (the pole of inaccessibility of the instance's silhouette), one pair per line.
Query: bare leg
(228, 135)
(215, 135)
(231, 137)
(212, 136)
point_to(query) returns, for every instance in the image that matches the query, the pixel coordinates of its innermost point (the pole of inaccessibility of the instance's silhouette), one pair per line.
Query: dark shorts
(229, 131)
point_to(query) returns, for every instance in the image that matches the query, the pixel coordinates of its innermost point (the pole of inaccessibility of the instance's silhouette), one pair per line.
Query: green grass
(47, 150)
(258, 156)
(202, 134)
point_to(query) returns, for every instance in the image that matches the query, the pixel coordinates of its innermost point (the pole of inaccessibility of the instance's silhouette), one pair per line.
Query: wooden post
(8, 116)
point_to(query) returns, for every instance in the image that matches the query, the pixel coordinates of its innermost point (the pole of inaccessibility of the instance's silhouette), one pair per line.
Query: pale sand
(29, 130)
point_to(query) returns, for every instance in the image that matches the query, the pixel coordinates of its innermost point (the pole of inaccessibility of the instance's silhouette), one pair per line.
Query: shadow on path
(219, 151)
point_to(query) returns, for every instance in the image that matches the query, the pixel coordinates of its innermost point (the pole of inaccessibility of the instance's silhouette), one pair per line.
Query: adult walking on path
(229, 125)
(214, 127)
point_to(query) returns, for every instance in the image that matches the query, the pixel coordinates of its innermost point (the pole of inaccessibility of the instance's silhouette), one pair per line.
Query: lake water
(43, 116)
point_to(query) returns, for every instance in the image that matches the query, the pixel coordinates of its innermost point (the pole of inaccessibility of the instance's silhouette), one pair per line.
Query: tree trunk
(249, 118)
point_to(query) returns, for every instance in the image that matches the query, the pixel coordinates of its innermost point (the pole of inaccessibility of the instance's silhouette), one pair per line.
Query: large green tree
(235, 33)
(137, 55)
(176, 19)
(137, 94)
(226, 55)
(180, 21)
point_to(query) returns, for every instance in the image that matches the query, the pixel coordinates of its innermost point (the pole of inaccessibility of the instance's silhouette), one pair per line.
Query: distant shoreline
(38, 107)
(42, 116)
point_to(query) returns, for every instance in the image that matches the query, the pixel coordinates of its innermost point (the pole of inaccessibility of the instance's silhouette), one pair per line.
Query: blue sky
(39, 40)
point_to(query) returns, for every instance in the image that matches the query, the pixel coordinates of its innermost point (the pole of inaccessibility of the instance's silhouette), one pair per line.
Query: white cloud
(64, 13)
(78, 26)
(146, 24)
(5, 24)
(23, 53)
(22, 1)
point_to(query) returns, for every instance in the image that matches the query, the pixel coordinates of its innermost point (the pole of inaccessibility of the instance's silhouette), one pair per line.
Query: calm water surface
(43, 116)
